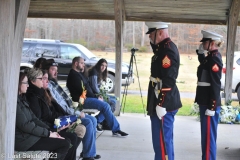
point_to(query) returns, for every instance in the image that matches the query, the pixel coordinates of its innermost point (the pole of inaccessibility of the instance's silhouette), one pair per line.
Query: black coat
(29, 129)
(39, 106)
(209, 71)
(164, 65)
(75, 86)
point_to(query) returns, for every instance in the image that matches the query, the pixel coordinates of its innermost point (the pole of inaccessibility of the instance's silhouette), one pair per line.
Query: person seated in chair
(64, 101)
(41, 105)
(97, 75)
(75, 81)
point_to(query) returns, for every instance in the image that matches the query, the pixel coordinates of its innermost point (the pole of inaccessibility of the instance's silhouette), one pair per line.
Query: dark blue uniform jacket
(209, 71)
(164, 65)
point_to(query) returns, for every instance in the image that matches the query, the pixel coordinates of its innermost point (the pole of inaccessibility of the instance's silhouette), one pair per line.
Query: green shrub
(143, 49)
(128, 46)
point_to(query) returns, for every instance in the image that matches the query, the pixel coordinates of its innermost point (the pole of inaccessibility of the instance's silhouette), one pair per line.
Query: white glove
(209, 112)
(200, 49)
(160, 111)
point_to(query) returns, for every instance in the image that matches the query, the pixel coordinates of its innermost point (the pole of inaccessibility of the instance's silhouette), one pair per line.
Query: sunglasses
(40, 78)
(24, 82)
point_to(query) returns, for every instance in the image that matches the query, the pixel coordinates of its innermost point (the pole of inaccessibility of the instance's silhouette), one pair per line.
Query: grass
(134, 105)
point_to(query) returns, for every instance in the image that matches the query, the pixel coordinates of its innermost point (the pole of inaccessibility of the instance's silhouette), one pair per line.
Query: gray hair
(33, 73)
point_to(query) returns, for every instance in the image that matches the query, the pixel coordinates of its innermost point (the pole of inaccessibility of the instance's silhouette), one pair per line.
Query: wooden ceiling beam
(127, 18)
(184, 11)
(71, 16)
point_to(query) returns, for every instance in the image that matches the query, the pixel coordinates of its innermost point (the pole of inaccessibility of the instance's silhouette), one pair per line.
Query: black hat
(48, 63)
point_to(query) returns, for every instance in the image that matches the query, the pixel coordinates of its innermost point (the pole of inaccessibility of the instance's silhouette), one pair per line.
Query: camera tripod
(130, 70)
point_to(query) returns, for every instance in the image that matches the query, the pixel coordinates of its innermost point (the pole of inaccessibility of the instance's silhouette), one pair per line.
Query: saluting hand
(200, 49)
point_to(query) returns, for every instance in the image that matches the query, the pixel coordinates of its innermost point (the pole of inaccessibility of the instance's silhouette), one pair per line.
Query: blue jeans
(105, 112)
(112, 102)
(89, 139)
(157, 140)
(209, 126)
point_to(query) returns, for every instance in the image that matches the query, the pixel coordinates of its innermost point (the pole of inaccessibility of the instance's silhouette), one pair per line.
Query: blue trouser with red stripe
(157, 140)
(209, 133)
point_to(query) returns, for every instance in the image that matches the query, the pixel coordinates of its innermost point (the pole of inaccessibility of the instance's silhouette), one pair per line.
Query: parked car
(236, 75)
(63, 53)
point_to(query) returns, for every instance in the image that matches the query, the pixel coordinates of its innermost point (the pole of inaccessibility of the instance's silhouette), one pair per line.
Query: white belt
(154, 79)
(203, 84)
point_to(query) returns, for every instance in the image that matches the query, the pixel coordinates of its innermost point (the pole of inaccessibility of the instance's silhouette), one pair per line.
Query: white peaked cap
(208, 35)
(152, 26)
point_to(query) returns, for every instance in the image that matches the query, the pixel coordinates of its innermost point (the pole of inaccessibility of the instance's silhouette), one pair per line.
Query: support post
(231, 37)
(13, 16)
(119, 19)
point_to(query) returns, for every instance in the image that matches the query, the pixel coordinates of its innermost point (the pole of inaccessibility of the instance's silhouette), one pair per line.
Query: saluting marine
(163, 95)
(208, 91)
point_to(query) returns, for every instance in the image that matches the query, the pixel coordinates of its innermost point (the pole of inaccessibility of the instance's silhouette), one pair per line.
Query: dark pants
(157, 140)
(71, 155)
(209, 133)
(59, 147)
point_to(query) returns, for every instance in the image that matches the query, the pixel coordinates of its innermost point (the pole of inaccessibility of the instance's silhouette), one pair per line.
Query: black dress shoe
(88, 158)
(96, 157)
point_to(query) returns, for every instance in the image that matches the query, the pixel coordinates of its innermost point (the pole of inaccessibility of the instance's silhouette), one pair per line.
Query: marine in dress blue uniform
(208, 91)
(163, 95)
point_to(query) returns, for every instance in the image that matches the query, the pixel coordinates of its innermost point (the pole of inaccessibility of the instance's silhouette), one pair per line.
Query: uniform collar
(213, 51)
(163, 42)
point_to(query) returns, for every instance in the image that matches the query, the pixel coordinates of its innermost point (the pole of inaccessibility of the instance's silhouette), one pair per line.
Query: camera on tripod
(130, 69)
(133, 50)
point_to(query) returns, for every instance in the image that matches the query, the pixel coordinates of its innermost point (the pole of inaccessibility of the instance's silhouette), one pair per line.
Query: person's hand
(200, 49)
(82, 115)
(55, 135)
(100, 98)
(160, 111)
(208, 112)
(72, 124)
(64, 127)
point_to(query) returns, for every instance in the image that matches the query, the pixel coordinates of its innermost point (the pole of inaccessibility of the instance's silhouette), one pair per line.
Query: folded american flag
(64, 120)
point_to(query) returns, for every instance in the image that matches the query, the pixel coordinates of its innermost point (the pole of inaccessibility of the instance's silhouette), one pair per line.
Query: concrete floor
(138, 145)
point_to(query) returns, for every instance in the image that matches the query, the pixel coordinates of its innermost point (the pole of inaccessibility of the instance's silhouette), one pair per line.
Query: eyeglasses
(40, 78)
(44, 78)
(25, 83)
